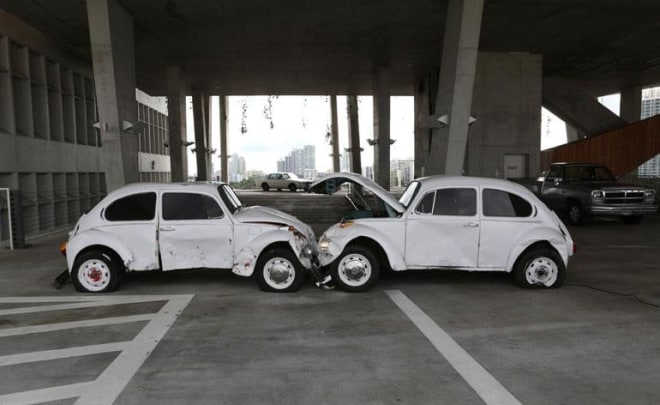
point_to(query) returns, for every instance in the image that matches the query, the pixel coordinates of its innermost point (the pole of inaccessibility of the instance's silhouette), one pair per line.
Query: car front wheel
(575, 214)
(539, 268)
(292, 188)
(355, 270)
(278, 270)
(96, 271)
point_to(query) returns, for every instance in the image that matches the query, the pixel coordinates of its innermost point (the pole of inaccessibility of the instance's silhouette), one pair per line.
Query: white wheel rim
(354, 270)
(541, 271)
(94, 275)
(279, 273)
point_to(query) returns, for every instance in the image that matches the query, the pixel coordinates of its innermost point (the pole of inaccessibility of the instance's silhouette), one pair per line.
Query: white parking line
(482, 382)
(132, 354)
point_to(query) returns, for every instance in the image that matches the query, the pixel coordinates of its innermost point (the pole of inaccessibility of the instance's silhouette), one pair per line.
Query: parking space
(416, 338)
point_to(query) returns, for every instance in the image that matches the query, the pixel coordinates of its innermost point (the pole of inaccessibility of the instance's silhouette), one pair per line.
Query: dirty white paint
(474, 241)
(482, 382)
(229, 241)
(111, 382)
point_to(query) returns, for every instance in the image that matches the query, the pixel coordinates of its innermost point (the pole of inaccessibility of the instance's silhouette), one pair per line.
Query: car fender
(340, 238)
(246, 258)
(540, 234)
(96, 237)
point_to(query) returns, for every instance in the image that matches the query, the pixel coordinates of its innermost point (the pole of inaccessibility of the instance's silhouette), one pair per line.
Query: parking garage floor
(416, 338)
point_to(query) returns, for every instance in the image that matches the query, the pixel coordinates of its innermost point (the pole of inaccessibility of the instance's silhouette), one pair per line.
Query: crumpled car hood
(259, 214)
(331, 182)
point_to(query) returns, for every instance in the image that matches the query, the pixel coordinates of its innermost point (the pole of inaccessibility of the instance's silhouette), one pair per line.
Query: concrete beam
(567, 100)
(113, 57)
(176, 119)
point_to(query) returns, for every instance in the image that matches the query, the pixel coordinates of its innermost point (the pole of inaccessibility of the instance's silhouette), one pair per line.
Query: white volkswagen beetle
(443, 222)
(167, 227)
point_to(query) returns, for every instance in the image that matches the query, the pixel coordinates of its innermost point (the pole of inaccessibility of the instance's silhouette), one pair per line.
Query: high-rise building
(401, 172)
(650, 107)
(298, 161)
(236, 168)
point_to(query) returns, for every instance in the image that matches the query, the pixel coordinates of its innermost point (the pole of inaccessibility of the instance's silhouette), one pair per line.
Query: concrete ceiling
(331, 47)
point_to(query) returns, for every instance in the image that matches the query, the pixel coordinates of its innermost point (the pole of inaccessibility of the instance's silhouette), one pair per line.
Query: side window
(455, 201)
(181, 206)
(426, 205)
(135, 207)
(498, 203)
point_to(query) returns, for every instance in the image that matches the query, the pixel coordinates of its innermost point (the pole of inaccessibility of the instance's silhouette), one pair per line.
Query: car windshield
(409, 194)
(588, 173)
(230, 198)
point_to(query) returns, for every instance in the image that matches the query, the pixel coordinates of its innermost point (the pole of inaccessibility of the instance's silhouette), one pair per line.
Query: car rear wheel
(264, 186)
(355, 270)
(292, 188)
(96, 271)
(278, 270)
(539, 268)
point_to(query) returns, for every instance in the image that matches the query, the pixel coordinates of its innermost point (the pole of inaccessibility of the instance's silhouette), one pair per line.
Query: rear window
(134, 207)
(498, 203)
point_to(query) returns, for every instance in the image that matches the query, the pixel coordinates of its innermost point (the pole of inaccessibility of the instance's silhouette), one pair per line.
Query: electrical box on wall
(515, 166)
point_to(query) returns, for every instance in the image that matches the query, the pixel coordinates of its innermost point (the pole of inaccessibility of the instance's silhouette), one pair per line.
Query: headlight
(649, 196)
(596, 194)
(324, 244)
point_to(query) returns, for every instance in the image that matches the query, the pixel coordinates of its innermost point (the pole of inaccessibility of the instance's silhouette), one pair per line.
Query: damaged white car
(187, 226)
(442, 222)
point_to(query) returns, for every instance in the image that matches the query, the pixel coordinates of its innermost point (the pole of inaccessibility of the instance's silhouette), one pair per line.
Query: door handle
(167, 229)
(471, 224)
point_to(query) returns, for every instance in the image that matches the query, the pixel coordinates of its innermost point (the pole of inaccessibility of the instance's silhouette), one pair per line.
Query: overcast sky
(298, 121)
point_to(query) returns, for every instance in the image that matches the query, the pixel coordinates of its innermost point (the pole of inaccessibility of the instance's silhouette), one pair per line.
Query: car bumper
(623, 211)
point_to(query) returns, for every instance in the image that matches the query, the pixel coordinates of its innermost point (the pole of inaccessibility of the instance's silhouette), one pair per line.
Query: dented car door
(194, 232)
(443, 230)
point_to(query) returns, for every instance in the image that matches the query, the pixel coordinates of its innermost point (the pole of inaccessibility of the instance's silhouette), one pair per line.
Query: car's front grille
(624, 196)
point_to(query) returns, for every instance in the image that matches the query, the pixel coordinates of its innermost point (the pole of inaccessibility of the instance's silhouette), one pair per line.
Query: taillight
(574, 248)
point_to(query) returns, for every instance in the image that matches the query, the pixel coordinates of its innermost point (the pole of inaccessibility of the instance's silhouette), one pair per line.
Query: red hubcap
(95, 275)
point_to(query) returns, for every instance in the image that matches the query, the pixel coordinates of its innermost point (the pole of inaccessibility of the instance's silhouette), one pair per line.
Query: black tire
(278, 270)
(96, 271)
(540, 267)
(293, 188)
(632, 219)
(265, 187)
(356, 269)
(575, 214)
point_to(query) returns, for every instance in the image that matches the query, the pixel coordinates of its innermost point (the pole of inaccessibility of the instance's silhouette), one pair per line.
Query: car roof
(146, 187)
(444, 181)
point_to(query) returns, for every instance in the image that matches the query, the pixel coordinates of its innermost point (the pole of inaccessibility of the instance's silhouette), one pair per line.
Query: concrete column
(354, 134)
(209, 137)
(201, 146)
(381, 100)
(113, 57)
(422, 132)
(335, 134)
(455, 86)
(571, 133)
(176, 119)
(631, 104)
(224, 154)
